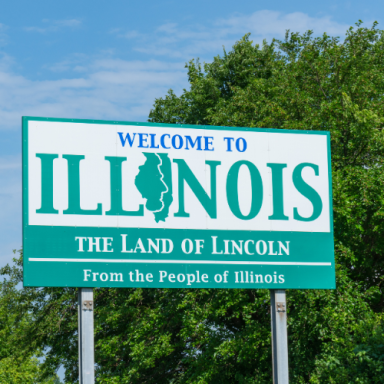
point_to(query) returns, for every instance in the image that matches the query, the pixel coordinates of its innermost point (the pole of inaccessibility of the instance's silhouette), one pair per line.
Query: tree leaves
(223, 336)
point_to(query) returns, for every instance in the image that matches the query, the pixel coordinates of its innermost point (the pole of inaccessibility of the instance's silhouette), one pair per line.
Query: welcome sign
(115, 204)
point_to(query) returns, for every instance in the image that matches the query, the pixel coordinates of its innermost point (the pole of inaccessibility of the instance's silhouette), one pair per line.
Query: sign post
(279, 336)
(86, 339)
(124, 204)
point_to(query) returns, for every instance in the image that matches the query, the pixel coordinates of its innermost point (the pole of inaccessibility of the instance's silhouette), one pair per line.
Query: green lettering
(116, 190)
(307, 191)
(185, 174)
(47, 183)
(233, 193)
(277, 191)
(74, 188)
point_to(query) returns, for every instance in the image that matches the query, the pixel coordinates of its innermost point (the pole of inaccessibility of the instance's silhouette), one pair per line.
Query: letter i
(226, 250)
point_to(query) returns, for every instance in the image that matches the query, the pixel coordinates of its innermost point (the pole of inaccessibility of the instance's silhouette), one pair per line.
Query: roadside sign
(122, 204)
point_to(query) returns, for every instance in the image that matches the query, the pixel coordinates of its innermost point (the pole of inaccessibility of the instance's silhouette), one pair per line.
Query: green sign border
(27, 119)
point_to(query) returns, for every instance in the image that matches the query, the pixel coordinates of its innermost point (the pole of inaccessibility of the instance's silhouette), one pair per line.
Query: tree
(223, 336)
(18, 353)
(23, 371)
(310, 84)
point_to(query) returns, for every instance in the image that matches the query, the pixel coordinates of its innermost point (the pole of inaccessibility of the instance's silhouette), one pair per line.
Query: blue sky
(110, 59)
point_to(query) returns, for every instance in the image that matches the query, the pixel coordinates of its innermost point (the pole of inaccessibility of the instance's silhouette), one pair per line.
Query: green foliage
(23, 371)
(310, 84)
(223, 336)
(18, 348)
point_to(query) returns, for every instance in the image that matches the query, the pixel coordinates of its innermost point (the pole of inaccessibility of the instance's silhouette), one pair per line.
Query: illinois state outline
(154, 182)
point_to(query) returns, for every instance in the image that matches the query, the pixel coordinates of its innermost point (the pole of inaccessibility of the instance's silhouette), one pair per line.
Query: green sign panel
(120, 204)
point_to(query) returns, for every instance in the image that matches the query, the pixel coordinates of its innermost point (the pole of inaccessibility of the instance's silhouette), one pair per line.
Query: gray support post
(279, 336)
(86, 341)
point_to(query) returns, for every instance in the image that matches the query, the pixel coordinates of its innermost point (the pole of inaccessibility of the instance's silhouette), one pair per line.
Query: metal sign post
(279, 336)
(86, 342)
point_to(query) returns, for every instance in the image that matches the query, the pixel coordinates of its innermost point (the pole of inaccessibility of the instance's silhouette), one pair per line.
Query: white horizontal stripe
(179, 261)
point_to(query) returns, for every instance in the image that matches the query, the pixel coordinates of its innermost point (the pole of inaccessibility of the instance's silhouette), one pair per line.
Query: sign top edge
(26, 119)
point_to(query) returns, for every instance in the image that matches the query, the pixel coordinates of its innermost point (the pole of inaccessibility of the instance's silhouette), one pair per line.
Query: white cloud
(127, 35)
(105, 89)
(54, 25)
(10, 206)
(67, 23)
(69, 64)
(6, 164)
(100, 89)
(109, 88)
(187, 41)
(274, 24)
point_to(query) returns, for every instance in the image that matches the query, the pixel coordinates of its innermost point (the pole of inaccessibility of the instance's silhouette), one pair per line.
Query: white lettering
(156, 247)
(190, 246)
(257, 277)
(163, 275)
(265, 248)
(81, 243)
(214, 246)
(86, 274)
(199, 245)
(116, 277)
(139, 276)
(282, 247)
(95, 243)
(180, 278)
(170, 246)
(239, 248)
(271, 252)
(218, 278)
(139, 246)
(107, 242)
(124, 245)
(105, 278)
(190, 278)
(226, 251)
(246, 245)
